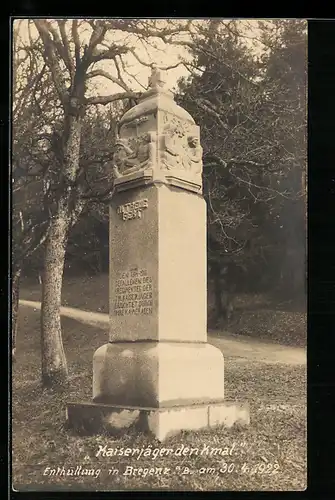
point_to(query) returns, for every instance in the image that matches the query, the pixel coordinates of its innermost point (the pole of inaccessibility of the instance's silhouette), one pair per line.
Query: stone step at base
(160, 422)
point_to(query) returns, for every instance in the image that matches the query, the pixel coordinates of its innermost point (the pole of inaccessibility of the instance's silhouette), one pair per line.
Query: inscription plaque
(133, 293)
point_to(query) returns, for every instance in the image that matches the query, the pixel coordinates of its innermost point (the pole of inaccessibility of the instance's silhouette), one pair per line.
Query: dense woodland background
(251, 108)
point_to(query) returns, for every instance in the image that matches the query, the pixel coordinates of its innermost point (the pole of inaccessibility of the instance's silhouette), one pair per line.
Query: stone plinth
(161, 423)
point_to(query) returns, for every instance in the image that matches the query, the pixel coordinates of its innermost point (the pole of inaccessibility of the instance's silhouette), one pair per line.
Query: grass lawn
(91, 295)
(273, 447)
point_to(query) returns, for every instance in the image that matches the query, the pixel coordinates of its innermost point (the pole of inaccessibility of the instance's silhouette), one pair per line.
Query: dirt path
(236, 346)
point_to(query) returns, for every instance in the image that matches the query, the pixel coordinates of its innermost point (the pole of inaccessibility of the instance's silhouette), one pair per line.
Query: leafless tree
(72, 54)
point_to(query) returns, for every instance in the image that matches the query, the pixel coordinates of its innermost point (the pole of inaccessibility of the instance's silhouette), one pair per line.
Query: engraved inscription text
(133, 293)
(132, 210)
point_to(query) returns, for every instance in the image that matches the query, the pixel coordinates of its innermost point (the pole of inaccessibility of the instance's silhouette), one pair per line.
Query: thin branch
(260, 188)
(118, 69)
(204, 106)
(236, 161)
(139, 59)
(29, 89)
(101, 72)
(37, 244)
(130, 74)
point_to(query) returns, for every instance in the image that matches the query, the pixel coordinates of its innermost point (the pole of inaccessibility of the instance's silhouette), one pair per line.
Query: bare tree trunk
(54, 365)
(215, 271)
(70, 205)
(222, 294)
(15, 307)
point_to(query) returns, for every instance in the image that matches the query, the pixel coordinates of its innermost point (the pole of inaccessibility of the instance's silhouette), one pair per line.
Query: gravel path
(235, 346)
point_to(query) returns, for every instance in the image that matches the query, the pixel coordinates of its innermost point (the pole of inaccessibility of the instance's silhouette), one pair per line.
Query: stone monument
(157, 371)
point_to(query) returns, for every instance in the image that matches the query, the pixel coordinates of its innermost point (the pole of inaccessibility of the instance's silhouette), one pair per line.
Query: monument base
(160, 422)
(158, 374)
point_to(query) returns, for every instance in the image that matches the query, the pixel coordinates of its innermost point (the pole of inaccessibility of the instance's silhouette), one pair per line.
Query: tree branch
(139, 59)
(97, 36)
(111, 98)
(100, 55)
(101, 197)
(101, 72)
(67, 52)
(202, 104)
(76, 41)
(60, 47)
(118, 69)
(134, 27)
(51, 59)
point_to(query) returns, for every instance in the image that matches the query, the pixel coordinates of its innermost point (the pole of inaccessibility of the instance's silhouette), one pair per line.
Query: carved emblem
(134, 154)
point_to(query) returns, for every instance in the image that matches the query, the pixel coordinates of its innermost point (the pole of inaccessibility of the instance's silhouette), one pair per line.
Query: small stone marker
(157, 372)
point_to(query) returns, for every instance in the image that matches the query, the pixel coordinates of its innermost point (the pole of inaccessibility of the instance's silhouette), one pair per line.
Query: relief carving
(134, 154)
(181, 147)
(194, 154)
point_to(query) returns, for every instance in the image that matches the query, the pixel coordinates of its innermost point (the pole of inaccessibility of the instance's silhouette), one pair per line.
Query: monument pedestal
(157, 373)
(159, 388)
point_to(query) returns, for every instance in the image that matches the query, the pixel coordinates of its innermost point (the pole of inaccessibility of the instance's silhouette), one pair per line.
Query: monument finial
(156, 80)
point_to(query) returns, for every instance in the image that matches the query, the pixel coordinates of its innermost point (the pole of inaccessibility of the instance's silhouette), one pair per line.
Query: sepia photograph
(158, 267)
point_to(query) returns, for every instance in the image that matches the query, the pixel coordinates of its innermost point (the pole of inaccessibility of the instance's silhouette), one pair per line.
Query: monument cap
(156, 98)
